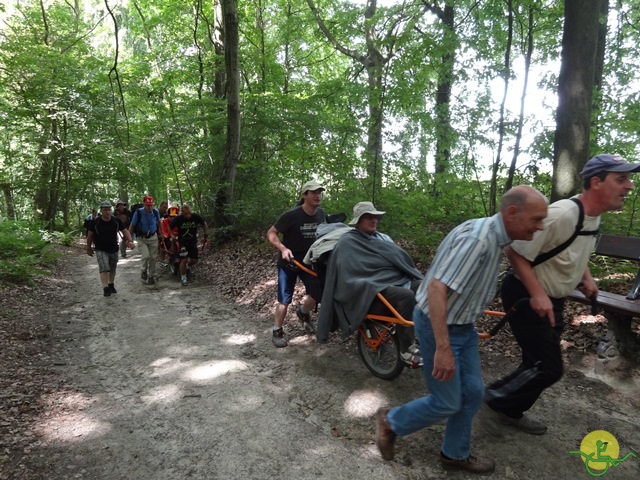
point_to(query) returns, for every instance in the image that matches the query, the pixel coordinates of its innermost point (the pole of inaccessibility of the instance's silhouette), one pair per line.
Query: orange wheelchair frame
(377, 339)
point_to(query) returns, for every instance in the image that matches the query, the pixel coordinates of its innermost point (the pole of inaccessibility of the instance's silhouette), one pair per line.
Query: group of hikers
(548, 249)
(161, 233)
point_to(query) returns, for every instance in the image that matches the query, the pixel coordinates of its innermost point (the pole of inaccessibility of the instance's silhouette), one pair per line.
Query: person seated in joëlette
(363, 263)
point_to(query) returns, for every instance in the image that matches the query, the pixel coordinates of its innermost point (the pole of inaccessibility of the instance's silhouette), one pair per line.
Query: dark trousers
(541, 364)
(403, 300)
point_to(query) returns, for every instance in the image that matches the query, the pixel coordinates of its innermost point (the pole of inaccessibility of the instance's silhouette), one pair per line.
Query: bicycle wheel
(379, 349)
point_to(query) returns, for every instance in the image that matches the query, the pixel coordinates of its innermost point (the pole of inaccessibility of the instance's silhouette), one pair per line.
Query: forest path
(169, 382)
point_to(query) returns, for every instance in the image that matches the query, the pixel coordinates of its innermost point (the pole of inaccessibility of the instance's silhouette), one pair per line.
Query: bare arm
(444, 365)
(272, 236)
(128, 238)
(540, 301)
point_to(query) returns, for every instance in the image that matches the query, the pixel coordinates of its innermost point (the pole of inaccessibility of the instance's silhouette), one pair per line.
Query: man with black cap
(545, 270)
(298, 228)
(104, 233)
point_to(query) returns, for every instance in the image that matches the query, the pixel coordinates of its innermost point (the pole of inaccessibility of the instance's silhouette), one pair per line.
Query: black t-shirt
(299, 230)
(187, 229)
(106, 234)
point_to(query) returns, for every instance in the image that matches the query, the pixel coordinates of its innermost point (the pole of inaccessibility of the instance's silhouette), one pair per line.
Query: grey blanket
(359, 268)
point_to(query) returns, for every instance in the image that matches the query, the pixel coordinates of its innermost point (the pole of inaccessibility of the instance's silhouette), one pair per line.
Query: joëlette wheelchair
(377, 340)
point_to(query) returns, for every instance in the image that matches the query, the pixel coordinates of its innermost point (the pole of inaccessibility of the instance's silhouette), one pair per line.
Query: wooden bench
(618, 309)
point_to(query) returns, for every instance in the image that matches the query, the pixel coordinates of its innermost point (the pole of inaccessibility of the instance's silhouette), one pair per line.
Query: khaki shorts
(106, 261)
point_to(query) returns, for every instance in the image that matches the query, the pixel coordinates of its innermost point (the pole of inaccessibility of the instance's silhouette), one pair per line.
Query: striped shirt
(467, 261)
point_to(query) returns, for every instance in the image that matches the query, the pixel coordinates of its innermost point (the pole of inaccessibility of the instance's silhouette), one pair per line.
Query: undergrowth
(24, 252)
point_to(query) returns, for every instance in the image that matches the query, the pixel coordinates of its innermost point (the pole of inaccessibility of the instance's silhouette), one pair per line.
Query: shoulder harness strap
(543, 257)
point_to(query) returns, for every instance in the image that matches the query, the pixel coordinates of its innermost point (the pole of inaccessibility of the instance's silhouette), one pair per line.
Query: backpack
(138, 230)
(543, 257)
(135, 207)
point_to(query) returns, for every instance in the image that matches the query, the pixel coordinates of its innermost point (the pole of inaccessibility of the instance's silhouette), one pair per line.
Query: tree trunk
(224, 195)
(373, 152)
(523, 96)
(444, 132)
(218, 45)
(575, 95)
(506, 75)
(374, 63)
(599, 70)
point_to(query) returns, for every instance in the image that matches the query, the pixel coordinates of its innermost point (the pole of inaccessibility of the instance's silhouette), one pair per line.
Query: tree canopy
(428, 108)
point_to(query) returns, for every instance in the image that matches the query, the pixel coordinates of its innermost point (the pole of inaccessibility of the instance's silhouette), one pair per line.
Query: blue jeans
(457, 400)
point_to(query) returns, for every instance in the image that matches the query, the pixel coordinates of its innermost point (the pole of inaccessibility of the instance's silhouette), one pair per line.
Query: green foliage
(71, 136)
(63, 238)
(613, 274)
(23, 252)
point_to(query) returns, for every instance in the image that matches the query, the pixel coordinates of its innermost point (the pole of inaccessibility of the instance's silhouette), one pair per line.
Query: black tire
(385, 361)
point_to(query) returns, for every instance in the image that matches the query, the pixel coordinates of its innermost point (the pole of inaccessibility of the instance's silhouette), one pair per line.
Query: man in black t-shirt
(298, 228)
(187, 225)
(103, 232)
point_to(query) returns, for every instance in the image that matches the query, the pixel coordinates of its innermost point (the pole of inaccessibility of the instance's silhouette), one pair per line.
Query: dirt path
(170, 382)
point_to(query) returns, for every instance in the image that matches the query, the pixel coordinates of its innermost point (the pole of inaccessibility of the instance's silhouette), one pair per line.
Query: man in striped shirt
(460, 282)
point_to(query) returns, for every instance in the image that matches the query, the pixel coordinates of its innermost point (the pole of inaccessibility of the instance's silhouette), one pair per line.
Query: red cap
(148, 200)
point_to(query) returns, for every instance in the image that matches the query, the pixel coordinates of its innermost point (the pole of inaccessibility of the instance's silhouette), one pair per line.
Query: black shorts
(189, 249)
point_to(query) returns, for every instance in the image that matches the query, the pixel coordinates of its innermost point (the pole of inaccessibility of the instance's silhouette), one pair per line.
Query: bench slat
(611, 302)
(619, 246)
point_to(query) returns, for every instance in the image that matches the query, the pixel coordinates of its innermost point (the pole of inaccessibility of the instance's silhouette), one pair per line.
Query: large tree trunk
(224, 195)
(444, 132)
(599, 70)
(575, 95)
(373, 152)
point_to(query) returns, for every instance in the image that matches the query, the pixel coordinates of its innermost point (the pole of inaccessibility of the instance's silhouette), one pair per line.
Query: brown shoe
(385, 436)
(471, 464)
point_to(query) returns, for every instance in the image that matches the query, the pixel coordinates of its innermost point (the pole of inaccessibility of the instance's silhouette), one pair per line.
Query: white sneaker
(184, 281)
(412, 359)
